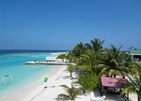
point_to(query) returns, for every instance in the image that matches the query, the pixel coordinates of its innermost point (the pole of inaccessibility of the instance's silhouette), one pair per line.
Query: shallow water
(14, 65)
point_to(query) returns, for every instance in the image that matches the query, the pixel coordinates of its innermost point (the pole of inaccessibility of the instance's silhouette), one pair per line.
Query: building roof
(113, 82)
(51, 58)
(135, 52)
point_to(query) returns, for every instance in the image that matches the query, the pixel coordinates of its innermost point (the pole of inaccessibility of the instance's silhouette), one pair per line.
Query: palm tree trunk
(71, 75)
(114, 75)
(139, 98)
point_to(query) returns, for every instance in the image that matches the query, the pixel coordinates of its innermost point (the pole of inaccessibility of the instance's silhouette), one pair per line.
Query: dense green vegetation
(71, 69)
(94, 61)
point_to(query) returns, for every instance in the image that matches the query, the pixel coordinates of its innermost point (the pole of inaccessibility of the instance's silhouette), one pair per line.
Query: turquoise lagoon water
(14, 65)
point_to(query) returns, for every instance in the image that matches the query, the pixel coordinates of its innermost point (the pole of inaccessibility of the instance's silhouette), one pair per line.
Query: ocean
(14, 74)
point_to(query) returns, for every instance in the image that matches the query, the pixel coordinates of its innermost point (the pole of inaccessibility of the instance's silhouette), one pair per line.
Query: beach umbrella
(45, 79)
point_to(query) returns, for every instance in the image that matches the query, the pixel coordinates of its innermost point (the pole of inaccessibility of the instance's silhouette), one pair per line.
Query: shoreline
(20, 94)
(48, 91)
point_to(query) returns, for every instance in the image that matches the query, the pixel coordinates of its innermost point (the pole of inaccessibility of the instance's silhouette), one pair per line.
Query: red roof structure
(113, 82)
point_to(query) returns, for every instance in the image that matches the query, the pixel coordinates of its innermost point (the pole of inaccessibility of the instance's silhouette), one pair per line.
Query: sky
(61, 24)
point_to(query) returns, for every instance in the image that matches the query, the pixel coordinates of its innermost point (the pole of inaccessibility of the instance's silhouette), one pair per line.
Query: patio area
(113, 88)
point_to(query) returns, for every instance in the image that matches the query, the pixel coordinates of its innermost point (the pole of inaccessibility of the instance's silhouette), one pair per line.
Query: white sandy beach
(57, 77)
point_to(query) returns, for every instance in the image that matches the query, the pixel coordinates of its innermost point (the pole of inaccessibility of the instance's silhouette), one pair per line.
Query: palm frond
(63, 97)
(71, 92)
(65, 87)
(129, 88)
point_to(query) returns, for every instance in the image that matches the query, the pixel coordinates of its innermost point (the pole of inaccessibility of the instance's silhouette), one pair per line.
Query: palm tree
(89, 81)
(96, 45)
(88, 46)
(89, 65)
(61, 56)
(114, 61)
(71, 93)
(78, 50)
(91, 59)
(70, 56)
(89, 76)
(71, 69)
(134, 84)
